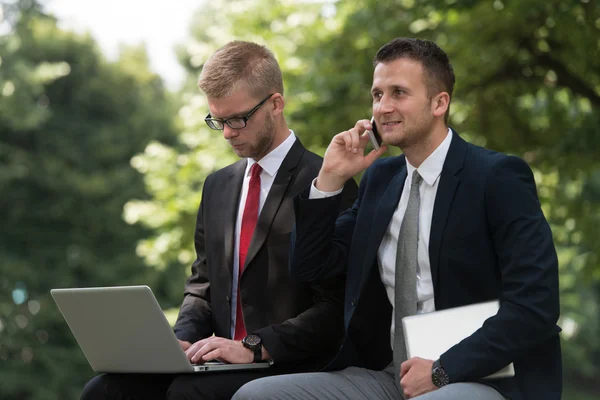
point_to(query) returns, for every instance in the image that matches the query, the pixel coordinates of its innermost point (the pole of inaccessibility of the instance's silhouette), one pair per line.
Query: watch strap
(258, 353)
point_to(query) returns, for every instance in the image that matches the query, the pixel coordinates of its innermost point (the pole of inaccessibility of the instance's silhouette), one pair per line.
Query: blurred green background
(101, 167)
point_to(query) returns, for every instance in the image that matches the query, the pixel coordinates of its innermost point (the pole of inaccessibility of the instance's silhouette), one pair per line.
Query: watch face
(439, 377)
(252, 340)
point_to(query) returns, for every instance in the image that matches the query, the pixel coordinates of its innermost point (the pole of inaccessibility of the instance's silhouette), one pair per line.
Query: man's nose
(384, 106)
(229, 133)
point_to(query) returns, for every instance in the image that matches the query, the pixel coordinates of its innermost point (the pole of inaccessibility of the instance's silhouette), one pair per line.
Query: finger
(356, 133)
(208, 347)
(343, 139)
(362, 125)
(407, 391)
(355, 140)
(194, 348)
(190, 351)
(405, 367)
(214, 355)
(347, 140)
(363, 131)
(191, 354)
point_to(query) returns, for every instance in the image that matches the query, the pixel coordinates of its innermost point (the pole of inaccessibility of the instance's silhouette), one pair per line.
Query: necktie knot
(416, 178)
(255, 170)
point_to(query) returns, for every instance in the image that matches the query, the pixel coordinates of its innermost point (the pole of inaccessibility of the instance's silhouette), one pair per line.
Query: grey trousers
(352, 384)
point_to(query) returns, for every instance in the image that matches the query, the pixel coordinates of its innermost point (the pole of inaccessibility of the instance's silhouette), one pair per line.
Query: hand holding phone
(374, 136)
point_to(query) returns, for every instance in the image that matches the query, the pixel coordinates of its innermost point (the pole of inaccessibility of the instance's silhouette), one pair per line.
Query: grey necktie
(405, 293)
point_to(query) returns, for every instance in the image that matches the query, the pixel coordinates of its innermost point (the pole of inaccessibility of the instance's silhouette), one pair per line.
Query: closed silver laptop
(123, 329)
(430, 335)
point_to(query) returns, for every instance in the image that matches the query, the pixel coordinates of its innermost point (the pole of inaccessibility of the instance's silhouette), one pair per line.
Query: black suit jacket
(299, 323)
(488, 240)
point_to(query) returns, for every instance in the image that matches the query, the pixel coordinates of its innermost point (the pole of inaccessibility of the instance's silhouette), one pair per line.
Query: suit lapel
(230, 207)
(383, 215)
(444, 198)
(274, 198)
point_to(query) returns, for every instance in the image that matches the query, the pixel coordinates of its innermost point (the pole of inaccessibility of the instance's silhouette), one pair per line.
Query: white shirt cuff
(317, 194)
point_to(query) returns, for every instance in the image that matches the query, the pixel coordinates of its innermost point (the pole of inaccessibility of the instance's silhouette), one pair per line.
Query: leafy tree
(70, 123)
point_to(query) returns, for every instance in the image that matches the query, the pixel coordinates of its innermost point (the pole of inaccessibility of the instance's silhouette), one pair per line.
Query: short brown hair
(439, 74)
(241, 66)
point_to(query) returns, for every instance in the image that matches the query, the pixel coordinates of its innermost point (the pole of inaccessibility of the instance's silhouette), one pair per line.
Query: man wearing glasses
(240, 305)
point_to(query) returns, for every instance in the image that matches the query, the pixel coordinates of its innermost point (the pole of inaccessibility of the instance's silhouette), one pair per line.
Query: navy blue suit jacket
(489, 240)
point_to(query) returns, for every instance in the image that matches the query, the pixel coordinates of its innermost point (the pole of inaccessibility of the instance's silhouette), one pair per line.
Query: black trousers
(197, 386)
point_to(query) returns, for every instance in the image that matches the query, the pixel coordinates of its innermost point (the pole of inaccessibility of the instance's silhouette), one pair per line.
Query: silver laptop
(422, 331)
(123, 329)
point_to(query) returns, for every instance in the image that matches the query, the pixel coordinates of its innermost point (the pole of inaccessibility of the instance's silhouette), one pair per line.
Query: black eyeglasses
(218, 124)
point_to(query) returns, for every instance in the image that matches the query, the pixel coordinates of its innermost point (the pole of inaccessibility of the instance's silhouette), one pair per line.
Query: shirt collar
(272, 161)
(431, 168)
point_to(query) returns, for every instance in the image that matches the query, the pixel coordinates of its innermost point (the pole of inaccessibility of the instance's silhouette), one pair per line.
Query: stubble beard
(413, 134)
(264, 140)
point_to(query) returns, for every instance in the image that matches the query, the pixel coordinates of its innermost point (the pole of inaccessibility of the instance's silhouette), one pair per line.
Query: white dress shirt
(430, 171)
(270, 165)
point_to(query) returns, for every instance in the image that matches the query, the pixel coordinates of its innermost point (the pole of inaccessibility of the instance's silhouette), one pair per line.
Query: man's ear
(440, 104)
(278, 103)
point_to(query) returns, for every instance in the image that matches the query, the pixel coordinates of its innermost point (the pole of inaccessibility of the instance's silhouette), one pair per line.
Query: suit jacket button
(353, 303)
(228, 300)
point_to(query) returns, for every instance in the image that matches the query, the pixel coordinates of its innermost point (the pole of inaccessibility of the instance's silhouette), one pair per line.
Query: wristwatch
(439, 377)
(254, 343)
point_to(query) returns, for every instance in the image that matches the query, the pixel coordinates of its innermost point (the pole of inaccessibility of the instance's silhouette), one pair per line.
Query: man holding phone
(444, 225)
(240, 304)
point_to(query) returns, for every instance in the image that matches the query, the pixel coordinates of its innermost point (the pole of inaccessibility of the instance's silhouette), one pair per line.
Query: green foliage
(70, 122)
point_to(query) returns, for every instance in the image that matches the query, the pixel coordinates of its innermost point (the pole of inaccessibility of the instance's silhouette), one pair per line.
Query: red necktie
(248, 224)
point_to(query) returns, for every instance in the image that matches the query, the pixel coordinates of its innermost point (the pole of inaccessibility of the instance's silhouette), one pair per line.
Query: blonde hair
(241, 66)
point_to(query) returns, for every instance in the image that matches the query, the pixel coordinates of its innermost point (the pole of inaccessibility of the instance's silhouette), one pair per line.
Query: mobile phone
(374, 136)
